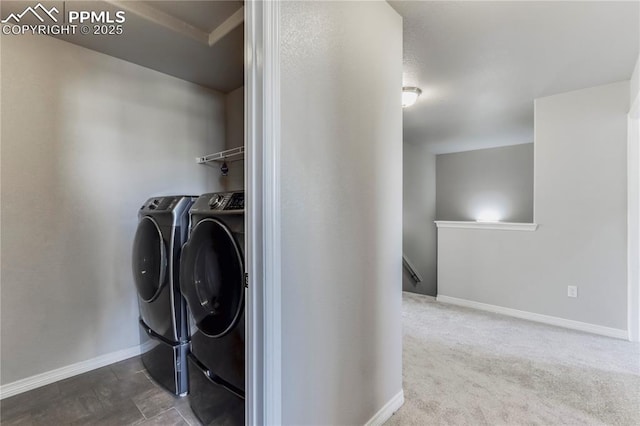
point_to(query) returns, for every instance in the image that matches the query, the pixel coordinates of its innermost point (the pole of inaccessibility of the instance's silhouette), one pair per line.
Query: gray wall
(234, 106)
(496, 182)
(459, 186)
(341, 162)
(581, 207)
(86, 138)
(418, 213)
(633, 203)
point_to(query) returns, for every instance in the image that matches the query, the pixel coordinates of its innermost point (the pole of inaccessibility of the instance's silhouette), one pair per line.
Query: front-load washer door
(212, 278)
(149, 260)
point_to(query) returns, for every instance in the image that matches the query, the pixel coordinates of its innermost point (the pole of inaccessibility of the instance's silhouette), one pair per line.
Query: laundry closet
(94, 126)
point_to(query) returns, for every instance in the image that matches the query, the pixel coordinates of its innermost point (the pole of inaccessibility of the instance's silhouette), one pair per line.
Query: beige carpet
(467, 367)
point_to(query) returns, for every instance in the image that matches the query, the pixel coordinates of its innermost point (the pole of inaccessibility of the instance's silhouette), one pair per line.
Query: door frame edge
(262, 177)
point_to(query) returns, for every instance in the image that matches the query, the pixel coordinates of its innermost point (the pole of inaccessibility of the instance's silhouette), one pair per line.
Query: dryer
(212, 279)
(162, 230)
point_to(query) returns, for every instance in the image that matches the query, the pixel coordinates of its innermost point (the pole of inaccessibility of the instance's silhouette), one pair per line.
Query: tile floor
(118, 394)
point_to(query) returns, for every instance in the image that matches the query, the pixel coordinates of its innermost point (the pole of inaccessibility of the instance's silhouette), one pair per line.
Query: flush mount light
(410, 96)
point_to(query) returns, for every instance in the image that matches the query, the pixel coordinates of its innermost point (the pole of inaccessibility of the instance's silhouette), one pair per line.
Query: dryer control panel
(168, 204)
(160, 203)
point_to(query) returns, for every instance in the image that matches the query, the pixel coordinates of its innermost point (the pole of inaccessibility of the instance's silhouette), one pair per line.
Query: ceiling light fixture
(410, 96)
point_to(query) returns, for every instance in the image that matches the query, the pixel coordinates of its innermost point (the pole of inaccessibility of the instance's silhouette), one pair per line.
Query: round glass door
(149, 259)
(212, 278)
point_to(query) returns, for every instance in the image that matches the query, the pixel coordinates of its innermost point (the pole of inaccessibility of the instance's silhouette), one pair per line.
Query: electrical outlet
(572, 291)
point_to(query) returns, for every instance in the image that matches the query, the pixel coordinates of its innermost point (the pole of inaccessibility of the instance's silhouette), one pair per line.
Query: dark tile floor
(118, 394)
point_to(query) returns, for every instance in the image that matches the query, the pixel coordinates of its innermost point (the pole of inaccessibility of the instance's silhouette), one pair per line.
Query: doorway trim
(262, 177)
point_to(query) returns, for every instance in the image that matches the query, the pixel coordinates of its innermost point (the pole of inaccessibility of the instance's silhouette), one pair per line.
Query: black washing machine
(162, 230)
(212, 280)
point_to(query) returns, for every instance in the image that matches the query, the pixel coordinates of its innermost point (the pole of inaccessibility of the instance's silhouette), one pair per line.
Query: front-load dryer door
(212, 278)
(149, 260)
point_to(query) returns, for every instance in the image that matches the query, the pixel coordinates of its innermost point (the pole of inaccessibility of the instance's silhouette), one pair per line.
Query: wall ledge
(504, 226)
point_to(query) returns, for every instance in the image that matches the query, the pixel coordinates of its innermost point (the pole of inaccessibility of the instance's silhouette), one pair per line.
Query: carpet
(467, 367)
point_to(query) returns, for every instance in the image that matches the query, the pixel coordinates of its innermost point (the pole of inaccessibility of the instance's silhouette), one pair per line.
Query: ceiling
(204, 15)
(480, 65)
(172, 37)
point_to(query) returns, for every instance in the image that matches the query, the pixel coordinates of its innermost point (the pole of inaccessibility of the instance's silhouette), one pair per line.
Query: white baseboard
(42, 379)
(426, 296)
(387, 411)
(545, 319)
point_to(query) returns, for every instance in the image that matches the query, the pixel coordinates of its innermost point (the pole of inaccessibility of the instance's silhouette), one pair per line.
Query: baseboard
(387, 411)
(545, 319)
(42, 379)
(426, 296)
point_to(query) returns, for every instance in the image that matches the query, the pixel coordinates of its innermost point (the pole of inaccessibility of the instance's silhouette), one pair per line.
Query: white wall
(633, 201)
(86, 138)
(418, 213)
(341, 195)
(494, 183)
(580, 205)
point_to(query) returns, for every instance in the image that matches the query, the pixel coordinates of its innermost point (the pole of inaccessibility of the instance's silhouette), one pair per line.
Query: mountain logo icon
(34, 11)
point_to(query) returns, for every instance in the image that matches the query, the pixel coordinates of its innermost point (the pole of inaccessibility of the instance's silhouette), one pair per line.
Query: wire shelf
(230, 155)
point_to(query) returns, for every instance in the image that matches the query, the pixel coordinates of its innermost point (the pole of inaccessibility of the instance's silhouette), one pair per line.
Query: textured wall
(633, 202)
(634, 84)
(341, 162)
(86, 138)
(495, 182)
(418, 213)
(581, 207)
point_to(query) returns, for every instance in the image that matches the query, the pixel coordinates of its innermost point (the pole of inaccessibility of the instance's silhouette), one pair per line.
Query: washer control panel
(226, 201)
(219, 203)
(236, 202)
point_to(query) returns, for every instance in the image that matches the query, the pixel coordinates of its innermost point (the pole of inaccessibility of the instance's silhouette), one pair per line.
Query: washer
(162, 229)
(212, 280)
